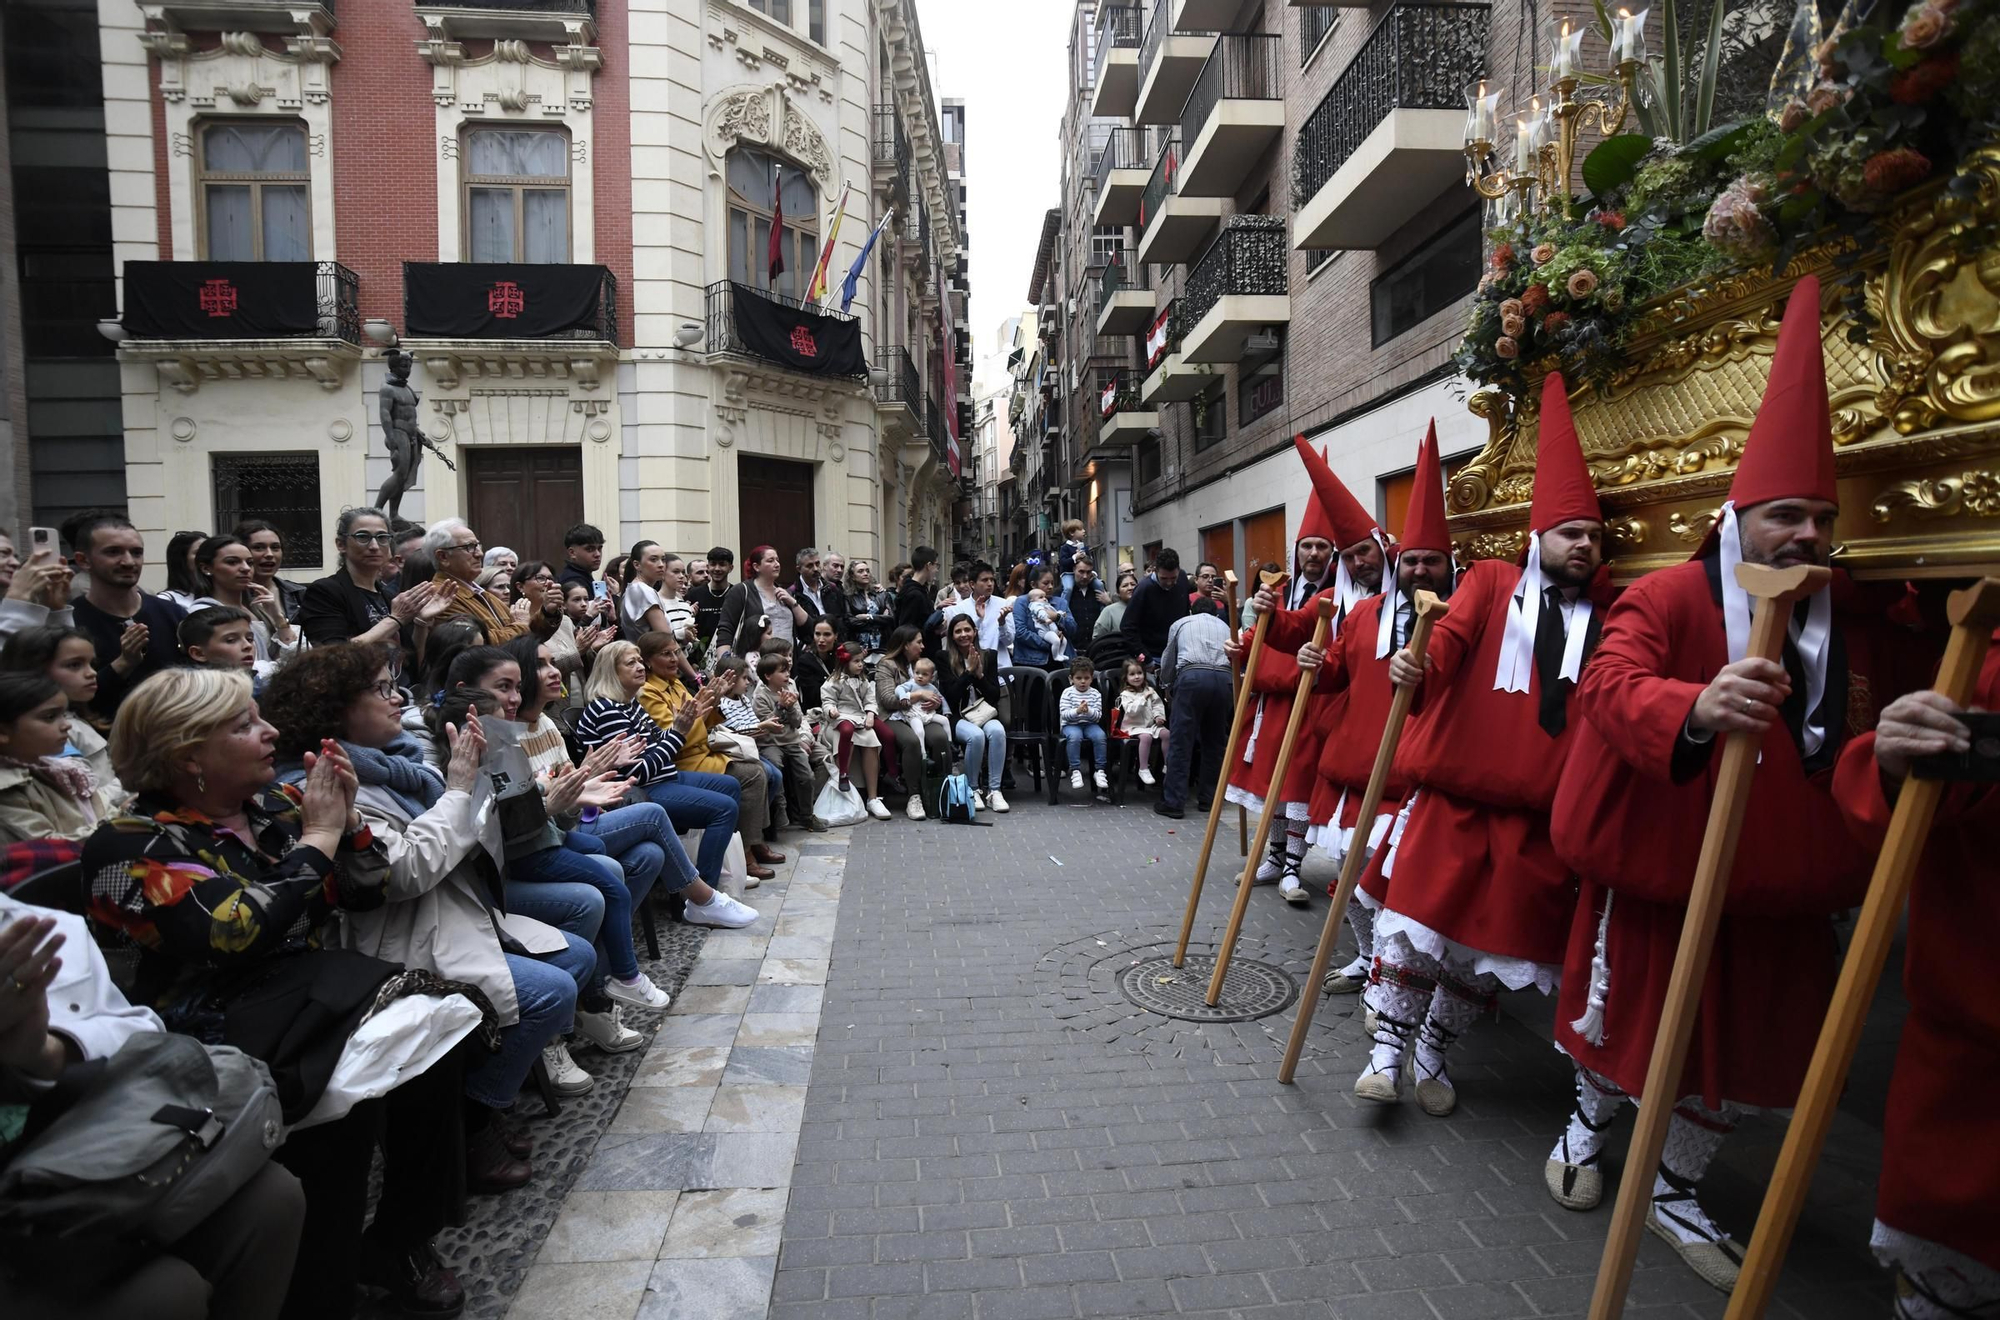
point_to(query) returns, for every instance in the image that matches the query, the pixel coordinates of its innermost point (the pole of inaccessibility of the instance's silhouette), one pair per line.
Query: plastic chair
(1031, 724)
(59, 888)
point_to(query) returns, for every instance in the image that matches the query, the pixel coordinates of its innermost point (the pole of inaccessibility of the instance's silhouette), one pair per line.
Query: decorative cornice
(766, 116)
(186, 364)
(807, 68)
(582, 362)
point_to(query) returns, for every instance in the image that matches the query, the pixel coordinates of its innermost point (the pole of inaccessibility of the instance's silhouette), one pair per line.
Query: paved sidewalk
(991, 1131)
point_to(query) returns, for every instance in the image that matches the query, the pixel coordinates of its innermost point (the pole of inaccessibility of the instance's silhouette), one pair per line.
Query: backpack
(955, 802)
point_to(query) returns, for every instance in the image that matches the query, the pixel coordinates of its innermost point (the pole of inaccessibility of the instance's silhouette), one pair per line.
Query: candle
(1482, 112)
(1538, 125)
(1630, 37)
(1567, 53)
(1524, 150)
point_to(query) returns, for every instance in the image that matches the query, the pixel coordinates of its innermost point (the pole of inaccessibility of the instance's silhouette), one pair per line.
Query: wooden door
(1264, 540)
(1218, 547)
(774, 506)
(524, 497)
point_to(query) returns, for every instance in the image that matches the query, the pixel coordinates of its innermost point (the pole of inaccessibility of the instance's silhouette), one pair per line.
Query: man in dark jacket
(1087, 600)
(913, 598)
(1159, 601)
(821, 599)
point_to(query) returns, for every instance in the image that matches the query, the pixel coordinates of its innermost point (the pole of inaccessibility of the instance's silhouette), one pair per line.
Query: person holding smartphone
(36, 592)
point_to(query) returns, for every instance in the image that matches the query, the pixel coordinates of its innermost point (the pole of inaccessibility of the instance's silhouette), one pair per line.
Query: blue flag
(848, 285)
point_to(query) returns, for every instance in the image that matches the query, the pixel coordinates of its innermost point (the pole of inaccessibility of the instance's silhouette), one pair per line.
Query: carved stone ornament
(767, 117)
(1915, 409)
(239, 72)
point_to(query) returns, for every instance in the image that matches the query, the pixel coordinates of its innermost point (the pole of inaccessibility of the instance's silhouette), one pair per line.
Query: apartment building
(563, 211)
(1265, 230)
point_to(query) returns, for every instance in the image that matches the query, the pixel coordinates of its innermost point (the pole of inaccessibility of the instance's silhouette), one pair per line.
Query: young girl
(46, 790)
(1142, 715)
(69, 656)
(849, 706)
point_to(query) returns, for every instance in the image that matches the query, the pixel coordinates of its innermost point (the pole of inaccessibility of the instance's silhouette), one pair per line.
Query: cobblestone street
(973, 1121)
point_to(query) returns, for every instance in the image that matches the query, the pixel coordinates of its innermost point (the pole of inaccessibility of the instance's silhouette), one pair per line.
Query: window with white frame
(756, 179)
(789, 12)
(517, 195)
(254, 191)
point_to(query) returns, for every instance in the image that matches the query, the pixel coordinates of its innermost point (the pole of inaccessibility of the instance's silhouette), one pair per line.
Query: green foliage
(1614, 161)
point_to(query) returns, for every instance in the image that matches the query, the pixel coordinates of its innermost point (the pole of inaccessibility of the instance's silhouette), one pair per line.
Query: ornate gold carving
(1626, 533)
(1975, 492)
(1489, 545)
(1692, 529)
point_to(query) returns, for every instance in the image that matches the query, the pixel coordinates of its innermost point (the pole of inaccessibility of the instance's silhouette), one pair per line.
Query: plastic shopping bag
(838, 807)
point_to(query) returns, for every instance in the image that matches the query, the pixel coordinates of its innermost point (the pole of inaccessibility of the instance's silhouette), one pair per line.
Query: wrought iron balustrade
(1244, 66)
(1161, 185)
(1117, 26)
(1123, 149)
(1248, 257)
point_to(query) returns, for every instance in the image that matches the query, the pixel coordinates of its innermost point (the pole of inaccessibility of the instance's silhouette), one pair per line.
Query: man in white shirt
(993, 614)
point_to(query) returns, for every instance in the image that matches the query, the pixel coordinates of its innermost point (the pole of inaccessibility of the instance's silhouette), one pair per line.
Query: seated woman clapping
(445, 907)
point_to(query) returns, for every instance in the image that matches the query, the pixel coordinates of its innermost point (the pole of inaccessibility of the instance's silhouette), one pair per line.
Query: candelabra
(1545, 137)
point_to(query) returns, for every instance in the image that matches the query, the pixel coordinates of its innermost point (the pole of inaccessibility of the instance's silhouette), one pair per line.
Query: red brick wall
(384, 156)
(611, 155)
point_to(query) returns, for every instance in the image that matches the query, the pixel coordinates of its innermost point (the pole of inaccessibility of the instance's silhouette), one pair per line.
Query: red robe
(1625, 825)
(1276, 684)
(1475, 863)
(1940, 1162)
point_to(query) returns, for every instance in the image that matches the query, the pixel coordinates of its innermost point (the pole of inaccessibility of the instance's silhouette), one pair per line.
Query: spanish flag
(817, 290)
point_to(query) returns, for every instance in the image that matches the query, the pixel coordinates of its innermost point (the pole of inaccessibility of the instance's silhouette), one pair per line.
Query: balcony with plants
(1239, 286)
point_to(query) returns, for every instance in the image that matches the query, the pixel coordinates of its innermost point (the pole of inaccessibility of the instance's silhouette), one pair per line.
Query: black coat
(835, 611)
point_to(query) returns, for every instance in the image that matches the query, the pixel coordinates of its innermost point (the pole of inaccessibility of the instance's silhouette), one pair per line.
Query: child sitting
(1142, 715)
(776, 701)
(923, 678)
(739, 716)
(1082, 708)
(1044, 615)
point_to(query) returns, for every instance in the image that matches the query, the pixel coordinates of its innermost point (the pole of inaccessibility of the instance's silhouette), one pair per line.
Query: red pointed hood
(1332, 512)
(1423, 523)
(1789, 451)
(1563, 489)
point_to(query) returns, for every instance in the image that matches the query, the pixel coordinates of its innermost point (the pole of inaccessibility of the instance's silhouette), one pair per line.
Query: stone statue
(403, 435)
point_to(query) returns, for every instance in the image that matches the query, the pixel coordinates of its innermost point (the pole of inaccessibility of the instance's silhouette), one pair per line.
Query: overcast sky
(1007, 62)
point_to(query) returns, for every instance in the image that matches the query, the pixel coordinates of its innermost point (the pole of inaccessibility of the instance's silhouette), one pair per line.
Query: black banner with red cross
(480, 300)
(803, 340)
(221, 299)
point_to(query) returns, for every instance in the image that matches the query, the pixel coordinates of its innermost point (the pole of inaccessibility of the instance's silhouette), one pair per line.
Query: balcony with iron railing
(1171, 378)
(892, 153)
(1169, 62)
(1120, 292)
(789, 333)
(1124, 164)
(1115, 89)
(899, 391)
(1239, 286)
(200, 321)
(1171, 227)
(1123, 416)
(1234, 112)
(1386, 140)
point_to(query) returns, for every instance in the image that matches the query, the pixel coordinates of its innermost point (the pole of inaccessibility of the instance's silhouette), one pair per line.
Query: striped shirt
(740, 714)
(604, 719)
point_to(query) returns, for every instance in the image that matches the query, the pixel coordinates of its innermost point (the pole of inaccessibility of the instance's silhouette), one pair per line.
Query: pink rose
(1925, 26)
(1544, 253)
(1583, 283)
(1794, 117)
(1513, 325)
(1506, 348)
(1513, 307)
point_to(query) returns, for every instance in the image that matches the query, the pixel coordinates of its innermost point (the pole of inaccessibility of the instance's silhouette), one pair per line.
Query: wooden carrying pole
(1974, 613)
(1236, 680)
(1429, 609)
(1272, 804)
(1236, 728)
(1775, 590)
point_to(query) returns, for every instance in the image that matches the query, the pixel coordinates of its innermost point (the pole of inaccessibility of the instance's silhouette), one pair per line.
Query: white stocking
(1454, 1007)
(1694, 1134)
(1597, 1102)
(1399, 996)
(1361, 920)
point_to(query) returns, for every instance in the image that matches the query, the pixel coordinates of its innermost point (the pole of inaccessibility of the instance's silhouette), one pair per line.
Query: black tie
(1549, 639)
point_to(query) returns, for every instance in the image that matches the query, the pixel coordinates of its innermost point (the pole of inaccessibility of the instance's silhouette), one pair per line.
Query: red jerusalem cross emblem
(505, 300)
(803, 342)
(218, 298)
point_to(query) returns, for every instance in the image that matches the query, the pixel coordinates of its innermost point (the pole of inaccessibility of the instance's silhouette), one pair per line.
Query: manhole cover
(1249, 990)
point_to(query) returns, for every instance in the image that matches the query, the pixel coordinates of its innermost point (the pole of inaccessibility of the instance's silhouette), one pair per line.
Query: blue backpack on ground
(954, 805)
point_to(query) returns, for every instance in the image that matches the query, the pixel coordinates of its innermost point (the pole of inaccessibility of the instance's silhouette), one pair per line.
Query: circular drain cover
(1249, 990)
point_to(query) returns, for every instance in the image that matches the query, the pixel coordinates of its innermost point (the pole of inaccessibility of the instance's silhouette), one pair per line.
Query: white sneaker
(1076, 779)
(877, 809)
(996, 803)
(978, 800)
(723, 911)
(1146, 776)
(564, 1075)
(639, 992)
(1098, 777)
(606, 1032)
(915, 811)
(1293, 892)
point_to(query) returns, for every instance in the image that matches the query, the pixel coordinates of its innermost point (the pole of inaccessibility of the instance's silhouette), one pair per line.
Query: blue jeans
(705, 802)
(1073, 736)
(774, 787)
(987, 744)
(642, 838)
(546, 987)
(560, 868)
(1201, 714)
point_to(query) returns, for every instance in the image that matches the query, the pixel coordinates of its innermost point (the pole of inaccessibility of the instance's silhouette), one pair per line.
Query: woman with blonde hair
(694, 800)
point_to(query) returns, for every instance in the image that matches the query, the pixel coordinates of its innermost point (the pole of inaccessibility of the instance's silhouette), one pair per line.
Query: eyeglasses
(386, 690)
(371, 538)
(473, 546)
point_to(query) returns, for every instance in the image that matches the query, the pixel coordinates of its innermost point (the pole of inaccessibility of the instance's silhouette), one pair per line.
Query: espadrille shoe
(1574, 1186)
(1717, 1261)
